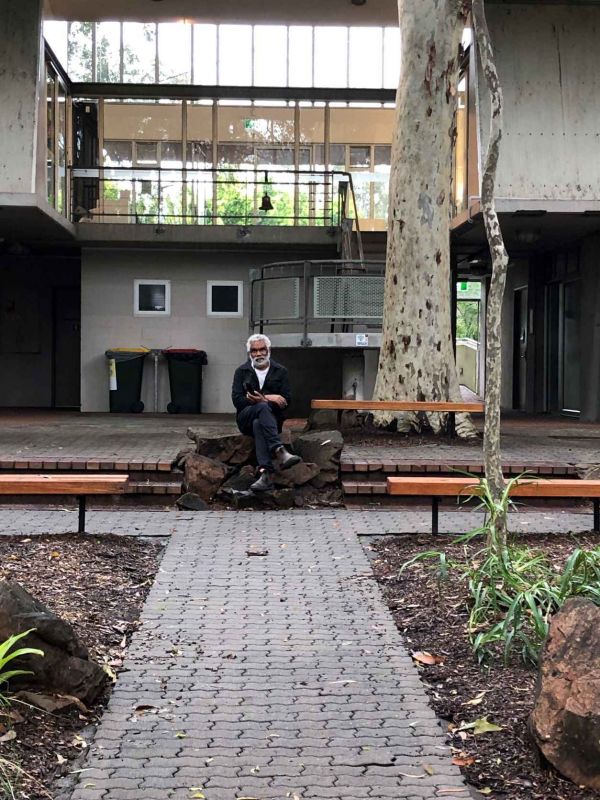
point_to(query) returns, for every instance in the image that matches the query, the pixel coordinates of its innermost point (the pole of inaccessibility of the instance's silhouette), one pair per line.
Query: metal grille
(276, 299)
(358, 296)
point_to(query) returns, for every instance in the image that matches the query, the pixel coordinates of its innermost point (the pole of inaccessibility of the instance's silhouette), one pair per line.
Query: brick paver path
(267, 676)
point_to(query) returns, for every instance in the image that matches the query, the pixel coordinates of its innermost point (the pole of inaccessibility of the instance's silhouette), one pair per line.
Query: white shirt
(261, 374)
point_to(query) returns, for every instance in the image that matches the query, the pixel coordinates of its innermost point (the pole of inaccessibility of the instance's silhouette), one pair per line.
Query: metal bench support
(435, 502)
(81, 527)
(596, 514)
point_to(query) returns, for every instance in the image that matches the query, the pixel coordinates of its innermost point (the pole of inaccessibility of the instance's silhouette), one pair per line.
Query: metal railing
(209, 196)
(303, 296)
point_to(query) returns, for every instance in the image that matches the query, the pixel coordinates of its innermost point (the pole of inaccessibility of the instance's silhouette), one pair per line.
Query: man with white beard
(260, 393)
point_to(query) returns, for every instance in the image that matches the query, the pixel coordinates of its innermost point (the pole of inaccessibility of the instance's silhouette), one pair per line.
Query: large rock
(240, 482)
(203, 476)
(277, 499)
(65, 667)
(565, 722)
(297, 475)
(191, 502)
(322, 448)
(231, 448)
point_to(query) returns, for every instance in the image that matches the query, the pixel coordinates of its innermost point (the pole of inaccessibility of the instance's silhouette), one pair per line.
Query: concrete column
(21, 66)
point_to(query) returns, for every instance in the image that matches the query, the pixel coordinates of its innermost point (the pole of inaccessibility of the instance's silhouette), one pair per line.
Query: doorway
(520, 348)
(563, 372)
(66, 369)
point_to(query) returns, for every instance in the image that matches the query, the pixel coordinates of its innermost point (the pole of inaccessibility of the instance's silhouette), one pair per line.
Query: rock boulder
(565, 722)
(230, 448)
(203, 476)
(322, 448)
(65, 667)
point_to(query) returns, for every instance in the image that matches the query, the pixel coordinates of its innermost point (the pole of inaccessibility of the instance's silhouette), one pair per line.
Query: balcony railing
(207, 196)
(317, 296)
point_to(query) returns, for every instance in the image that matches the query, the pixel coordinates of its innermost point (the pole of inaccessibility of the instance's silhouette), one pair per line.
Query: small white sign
(362, 339)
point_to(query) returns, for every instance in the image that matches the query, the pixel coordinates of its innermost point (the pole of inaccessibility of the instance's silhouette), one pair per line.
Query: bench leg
(81, 527)
(435, 501)
(596, 514)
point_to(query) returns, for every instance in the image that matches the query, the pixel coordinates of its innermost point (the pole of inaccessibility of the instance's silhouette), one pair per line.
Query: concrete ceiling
(314, 12)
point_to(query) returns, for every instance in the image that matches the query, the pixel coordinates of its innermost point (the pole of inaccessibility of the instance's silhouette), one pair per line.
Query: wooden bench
(79, 485)
(435, 488)
(399, 405)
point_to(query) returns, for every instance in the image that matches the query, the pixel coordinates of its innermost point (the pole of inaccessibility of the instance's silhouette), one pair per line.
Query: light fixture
(266, 204)
(358, 2)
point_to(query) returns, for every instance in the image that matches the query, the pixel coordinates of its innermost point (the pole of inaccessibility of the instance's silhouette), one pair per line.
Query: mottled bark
(491, 437)
(417, 360)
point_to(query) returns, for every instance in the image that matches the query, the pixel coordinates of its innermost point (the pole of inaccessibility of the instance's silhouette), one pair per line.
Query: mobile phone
(248, 387)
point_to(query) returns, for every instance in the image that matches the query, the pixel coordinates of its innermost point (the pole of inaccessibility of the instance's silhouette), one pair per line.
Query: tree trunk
(416, 359)
(491, 437)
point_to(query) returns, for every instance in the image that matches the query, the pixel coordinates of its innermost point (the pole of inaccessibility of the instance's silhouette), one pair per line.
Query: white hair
(258, 337)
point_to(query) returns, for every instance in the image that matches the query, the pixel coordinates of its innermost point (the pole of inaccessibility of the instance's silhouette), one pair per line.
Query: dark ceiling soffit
(152, 91)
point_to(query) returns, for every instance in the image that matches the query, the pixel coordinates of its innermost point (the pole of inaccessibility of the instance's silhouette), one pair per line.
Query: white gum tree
(416, 359)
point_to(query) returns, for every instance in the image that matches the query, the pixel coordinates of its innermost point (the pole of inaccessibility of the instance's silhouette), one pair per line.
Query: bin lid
(182, 350)
(128, 349)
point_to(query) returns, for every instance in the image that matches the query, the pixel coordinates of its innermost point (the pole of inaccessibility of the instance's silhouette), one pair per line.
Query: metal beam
(153, 91)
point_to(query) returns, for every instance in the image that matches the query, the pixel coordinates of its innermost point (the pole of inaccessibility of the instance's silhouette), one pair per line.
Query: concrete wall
(108, 320)
(549, 66)
(467, 362)
(20, 85)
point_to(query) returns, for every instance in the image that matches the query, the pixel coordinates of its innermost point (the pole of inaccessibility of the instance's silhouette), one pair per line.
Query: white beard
(260, 362)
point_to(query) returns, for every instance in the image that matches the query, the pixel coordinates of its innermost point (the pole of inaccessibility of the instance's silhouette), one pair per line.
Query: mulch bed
(98, 584)
(501, 763)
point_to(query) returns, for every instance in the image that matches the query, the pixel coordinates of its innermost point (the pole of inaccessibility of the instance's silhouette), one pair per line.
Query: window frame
(137, 312)
(225, 314)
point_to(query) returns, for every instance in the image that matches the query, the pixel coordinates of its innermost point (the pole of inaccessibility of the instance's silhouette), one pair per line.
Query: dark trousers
(260, 422)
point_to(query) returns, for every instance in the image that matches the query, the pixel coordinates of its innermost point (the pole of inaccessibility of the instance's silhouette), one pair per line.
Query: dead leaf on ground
(257, 552)
(475, 701)
(463, 761)
(479, 726)
(8, 736)
(423, 657)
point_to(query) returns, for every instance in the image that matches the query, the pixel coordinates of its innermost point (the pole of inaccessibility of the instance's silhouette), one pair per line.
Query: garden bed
(432, 619)
(98, 584)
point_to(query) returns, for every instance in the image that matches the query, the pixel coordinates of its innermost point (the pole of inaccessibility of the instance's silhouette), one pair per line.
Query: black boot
(285, 460)
(263, 483)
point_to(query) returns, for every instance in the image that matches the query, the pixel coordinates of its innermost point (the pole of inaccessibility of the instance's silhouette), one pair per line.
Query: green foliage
(467, 319)
(514, 590)
(8, 653)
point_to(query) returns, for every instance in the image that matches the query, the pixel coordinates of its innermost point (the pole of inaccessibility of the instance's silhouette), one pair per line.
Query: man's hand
(255, 397)
(277, 399)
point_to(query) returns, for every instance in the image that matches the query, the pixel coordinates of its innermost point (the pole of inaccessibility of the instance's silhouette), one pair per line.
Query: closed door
(520, 349)
(67, 347)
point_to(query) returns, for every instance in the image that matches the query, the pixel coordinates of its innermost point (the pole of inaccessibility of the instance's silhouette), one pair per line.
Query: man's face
(259, 355)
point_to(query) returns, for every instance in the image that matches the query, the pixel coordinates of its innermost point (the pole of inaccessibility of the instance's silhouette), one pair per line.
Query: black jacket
(276, 382)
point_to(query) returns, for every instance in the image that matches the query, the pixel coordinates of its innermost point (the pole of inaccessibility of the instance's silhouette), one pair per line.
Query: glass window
(366, 58)
(108, 52)
(383, 156)
(151, 297)
(224, 298)
(233, 155)
(391, 58)
(171, 155)
(205, 54)
(139, 52)
(61, 145)
(174, 52)
(300, 55)
(146, 153)
(360, 156)
(79, 59)
(274, 156)
(50, 133)
(331, 57)
(270, 55)
(57, 34)
(235, 55)
(117, 154)
(459, 177)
